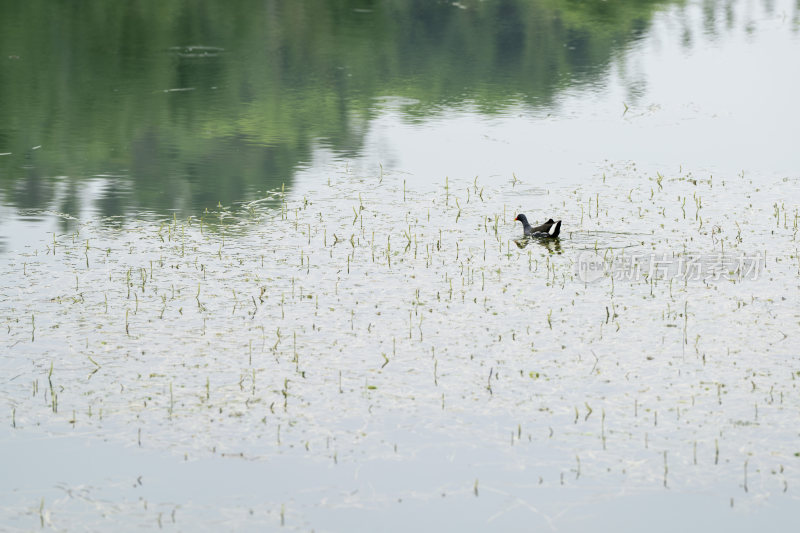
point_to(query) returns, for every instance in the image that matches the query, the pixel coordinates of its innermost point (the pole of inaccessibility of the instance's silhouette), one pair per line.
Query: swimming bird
(548, 229)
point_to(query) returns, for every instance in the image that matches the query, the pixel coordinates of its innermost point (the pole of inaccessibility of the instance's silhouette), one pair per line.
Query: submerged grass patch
(366, 322)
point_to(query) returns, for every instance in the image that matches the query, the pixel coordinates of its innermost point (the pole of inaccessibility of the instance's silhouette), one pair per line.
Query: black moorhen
(549, 229)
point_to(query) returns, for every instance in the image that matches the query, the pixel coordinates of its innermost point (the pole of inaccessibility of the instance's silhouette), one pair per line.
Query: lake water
(260, 267)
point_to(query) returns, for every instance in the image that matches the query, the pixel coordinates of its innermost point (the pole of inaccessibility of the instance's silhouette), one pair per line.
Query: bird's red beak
(516, 217)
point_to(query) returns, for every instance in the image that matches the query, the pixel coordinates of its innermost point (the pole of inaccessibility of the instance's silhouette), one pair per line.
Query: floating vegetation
(301, 331)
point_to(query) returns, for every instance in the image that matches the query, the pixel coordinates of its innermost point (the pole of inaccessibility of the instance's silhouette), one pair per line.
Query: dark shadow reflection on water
(204, 104)
(553, 246)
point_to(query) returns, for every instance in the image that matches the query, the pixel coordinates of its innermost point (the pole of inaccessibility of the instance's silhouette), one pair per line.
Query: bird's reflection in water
(552, 245)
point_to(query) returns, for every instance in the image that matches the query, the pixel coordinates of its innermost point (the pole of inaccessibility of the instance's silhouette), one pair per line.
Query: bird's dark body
(549, 229)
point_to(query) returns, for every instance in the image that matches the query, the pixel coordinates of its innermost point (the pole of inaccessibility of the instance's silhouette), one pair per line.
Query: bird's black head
(522, 218)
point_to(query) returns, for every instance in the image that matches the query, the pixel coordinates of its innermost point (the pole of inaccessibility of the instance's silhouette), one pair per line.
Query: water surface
(260, 268)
